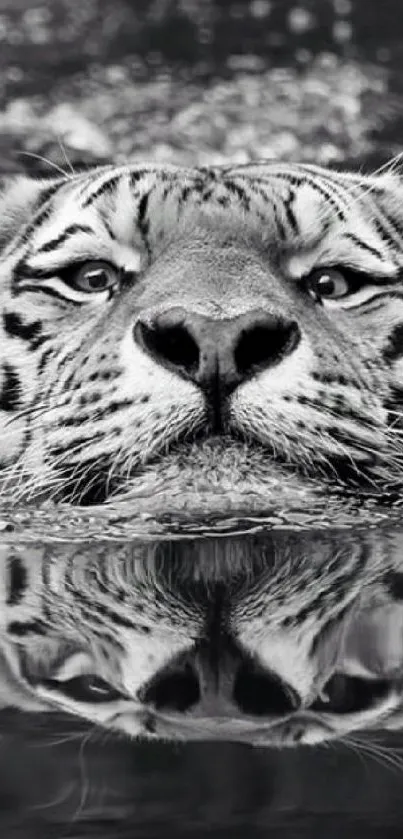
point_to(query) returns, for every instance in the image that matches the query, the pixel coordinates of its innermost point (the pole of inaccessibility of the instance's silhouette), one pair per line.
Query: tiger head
(194, 337)
(273, 640)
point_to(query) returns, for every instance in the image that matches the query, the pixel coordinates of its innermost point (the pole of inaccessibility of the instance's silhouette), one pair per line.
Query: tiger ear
(20, 196)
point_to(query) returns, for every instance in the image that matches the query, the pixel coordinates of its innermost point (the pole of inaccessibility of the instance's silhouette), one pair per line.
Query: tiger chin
(205, 339)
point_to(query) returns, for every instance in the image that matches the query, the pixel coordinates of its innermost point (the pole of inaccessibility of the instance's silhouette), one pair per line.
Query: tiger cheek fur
(185, 332)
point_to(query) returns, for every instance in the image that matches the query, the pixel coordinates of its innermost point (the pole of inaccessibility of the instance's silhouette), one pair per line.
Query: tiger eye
(95, 277)
(327, 283)
(85, 688)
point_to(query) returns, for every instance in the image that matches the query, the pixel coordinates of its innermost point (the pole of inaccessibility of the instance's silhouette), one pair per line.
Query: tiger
(279, 640)
(195, 339)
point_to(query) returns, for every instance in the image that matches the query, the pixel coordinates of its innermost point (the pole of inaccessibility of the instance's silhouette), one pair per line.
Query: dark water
(116, 790)
(62, 777)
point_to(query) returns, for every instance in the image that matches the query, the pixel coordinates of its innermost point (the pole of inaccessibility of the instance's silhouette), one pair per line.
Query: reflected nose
(230, 685)
(217, 355)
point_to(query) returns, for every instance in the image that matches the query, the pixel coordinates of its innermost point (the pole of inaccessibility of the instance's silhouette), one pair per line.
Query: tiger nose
(229, 684)
(217, 354)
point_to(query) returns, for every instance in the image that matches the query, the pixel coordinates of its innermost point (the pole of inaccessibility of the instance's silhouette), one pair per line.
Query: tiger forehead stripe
(40, 212)
(364, 245)
(107, 185)
(70, 231)
(92, 177)
(111, 180)
(386, 227)
(325, 186)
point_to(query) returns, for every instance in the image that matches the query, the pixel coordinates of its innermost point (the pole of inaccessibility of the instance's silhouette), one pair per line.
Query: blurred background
(199, 80)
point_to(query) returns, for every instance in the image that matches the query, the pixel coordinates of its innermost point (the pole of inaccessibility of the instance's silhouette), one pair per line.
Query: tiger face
(192, 337)
(274, 640)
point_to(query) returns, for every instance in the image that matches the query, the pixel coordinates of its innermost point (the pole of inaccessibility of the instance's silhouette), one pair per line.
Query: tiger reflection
(276, 639)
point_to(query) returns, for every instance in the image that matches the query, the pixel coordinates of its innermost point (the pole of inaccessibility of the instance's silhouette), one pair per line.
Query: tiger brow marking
(59, 240)
(363, 245)
(330, 182)
(107, 227)
(326, 195)
(42, 210)
(383, 218)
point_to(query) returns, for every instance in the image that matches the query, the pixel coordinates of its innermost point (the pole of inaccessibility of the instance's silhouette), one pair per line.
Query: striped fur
(299, 608)
(86, 414)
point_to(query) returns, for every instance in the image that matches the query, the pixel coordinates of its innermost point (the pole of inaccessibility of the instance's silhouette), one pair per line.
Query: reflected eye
(93, 277)
(85, 688)
(327, 284)
(344, 694)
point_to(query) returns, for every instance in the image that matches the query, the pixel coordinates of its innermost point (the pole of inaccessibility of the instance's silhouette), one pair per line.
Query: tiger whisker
(45, 160)
(64, 153)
